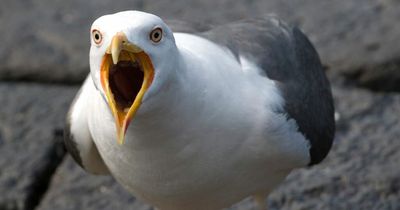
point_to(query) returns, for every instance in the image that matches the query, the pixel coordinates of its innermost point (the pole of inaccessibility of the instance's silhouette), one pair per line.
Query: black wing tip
(70, 143)
(320, 151)
(321, 136)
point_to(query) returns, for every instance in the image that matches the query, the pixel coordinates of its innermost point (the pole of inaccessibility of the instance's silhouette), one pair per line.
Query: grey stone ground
(43, 58)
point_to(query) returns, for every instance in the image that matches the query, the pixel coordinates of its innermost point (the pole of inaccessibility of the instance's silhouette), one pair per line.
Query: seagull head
(130, 52)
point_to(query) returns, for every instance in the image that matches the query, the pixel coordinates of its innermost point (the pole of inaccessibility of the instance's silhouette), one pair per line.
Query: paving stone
(29, 150)
(72, 189)
(48, 40)
(361, 171)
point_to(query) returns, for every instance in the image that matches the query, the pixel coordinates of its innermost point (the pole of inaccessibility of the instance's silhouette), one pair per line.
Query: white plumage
(210, 130)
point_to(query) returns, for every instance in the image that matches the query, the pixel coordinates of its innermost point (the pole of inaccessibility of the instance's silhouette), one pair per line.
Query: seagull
(195, 121)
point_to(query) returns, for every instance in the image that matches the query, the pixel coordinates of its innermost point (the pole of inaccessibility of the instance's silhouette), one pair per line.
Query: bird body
(212, 128)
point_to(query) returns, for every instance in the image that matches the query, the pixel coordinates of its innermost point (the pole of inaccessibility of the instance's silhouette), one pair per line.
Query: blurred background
(44, 47)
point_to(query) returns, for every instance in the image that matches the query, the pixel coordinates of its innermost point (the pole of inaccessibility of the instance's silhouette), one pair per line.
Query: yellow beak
(119, 50)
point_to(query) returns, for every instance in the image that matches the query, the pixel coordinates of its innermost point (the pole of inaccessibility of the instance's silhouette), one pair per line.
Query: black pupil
(97, 36)
(156, 35)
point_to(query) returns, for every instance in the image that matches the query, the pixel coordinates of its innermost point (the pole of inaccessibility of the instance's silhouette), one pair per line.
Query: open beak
(126, 73)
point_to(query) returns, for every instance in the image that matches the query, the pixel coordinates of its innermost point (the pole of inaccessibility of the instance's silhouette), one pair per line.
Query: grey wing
(287, 56)
(77, 138)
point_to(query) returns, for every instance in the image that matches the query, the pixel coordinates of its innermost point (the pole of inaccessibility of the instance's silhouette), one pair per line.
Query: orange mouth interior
(125, 83)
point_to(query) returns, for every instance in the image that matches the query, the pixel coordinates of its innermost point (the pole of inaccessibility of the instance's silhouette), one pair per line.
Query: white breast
(217, 139)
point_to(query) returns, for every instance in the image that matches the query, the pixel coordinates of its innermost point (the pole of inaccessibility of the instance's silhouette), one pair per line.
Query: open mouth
(126, 73)
(125, 81)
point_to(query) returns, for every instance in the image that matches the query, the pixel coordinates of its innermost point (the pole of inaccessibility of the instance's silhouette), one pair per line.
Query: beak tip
(121, 138)
(115, 60)
(115, 54)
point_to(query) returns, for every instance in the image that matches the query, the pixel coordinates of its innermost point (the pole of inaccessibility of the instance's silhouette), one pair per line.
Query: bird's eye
(156, 35)
(97, 36)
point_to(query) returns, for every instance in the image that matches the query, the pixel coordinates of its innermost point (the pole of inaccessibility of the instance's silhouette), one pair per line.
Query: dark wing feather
(70, 142)
(286, 56)
(80, 144)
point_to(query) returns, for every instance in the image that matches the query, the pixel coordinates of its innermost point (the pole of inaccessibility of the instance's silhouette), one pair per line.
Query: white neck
(200, 94)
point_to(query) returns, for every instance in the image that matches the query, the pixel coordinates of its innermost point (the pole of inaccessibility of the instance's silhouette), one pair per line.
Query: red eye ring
(97, 36)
